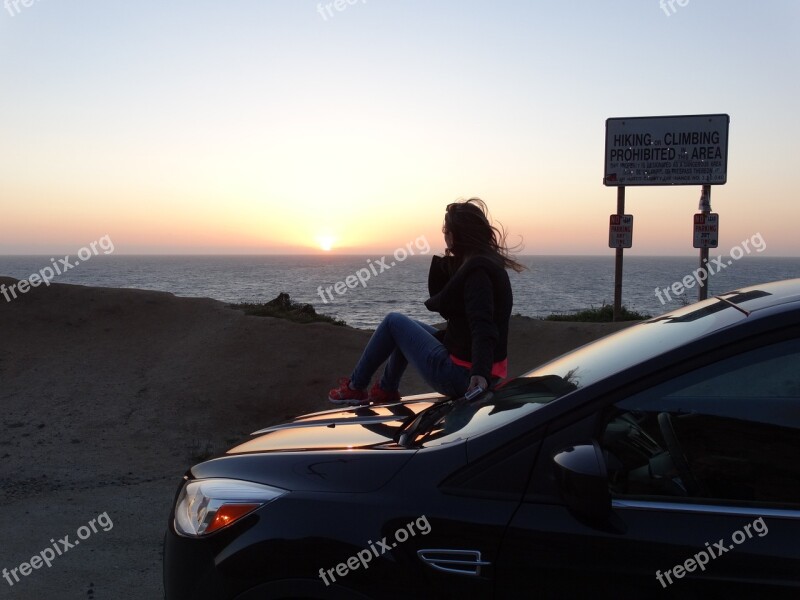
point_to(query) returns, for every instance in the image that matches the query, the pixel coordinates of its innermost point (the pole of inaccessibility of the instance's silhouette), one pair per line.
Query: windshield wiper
(424, 419)
(433, 414)
(734, 305)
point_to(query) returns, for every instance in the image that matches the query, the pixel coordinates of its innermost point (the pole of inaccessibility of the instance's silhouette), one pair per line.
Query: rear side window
(729, 432)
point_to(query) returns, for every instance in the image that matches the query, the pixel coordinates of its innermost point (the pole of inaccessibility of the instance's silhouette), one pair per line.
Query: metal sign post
(618, 261)
(706, 235)
(620, 236)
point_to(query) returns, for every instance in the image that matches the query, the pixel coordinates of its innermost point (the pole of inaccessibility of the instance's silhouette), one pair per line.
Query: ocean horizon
(361, 289)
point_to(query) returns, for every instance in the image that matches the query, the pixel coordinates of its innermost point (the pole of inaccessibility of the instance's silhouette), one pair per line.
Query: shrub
(283, 307)
(603, 314)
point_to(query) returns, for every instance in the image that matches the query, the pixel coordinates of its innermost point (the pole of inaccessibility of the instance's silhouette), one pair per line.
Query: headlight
(207, 505)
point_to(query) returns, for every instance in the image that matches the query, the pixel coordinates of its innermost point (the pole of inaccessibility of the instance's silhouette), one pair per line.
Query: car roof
(672, 330)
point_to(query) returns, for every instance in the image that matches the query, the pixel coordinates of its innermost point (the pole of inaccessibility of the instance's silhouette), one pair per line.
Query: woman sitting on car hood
(470, 288)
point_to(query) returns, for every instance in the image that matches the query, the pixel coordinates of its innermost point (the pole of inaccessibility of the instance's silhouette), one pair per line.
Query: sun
(326, 242)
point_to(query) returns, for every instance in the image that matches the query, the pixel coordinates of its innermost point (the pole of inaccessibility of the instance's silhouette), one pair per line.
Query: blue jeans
(402, 340)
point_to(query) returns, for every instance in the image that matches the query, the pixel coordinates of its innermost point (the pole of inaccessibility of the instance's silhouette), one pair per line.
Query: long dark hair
(473, 233)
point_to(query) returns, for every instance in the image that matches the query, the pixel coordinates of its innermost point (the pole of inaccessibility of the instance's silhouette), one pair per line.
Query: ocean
(552, 283)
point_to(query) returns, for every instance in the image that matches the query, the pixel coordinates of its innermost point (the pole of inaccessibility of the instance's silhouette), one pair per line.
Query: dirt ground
(109, 395)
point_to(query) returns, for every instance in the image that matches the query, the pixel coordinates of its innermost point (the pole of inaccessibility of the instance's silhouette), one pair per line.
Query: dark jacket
(476, 301)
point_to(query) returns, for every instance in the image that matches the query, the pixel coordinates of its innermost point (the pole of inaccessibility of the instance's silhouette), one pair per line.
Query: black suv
(661, 460)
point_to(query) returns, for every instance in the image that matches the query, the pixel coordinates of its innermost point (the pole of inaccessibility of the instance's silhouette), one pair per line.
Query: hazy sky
(274, 126)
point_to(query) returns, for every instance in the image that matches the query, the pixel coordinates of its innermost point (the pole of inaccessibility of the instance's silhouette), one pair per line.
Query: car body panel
(482, 475)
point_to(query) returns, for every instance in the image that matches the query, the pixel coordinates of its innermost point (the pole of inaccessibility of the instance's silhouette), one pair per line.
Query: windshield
(621, 350)
(458, 419)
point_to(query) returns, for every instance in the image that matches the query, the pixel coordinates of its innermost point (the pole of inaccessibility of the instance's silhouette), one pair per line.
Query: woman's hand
(477, 381)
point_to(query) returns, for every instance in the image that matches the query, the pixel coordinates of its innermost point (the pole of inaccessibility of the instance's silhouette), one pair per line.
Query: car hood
(341, 450)
(357, 428)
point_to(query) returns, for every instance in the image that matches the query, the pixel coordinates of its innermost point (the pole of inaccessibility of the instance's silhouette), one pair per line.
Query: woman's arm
(479, 307)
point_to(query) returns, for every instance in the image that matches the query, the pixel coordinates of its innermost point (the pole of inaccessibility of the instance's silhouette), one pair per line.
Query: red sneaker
(345, 395)
(377, 395)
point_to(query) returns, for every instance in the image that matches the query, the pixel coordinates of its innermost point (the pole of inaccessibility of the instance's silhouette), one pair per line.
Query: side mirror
(583, 482)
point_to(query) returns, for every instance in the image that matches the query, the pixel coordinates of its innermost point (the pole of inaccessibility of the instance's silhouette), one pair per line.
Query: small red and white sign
(706, 230)
(620, 231)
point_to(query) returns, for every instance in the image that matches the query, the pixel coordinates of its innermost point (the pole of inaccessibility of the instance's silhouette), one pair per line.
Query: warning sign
(706, 230)
(620, 231)
(676, 150)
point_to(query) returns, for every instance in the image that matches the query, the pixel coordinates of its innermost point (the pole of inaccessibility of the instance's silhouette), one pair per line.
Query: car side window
(728, 432)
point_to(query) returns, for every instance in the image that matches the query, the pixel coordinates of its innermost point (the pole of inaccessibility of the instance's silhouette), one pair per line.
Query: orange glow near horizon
(662, 224)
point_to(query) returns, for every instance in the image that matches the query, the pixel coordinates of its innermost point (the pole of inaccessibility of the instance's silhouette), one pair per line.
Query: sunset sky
(280, 126)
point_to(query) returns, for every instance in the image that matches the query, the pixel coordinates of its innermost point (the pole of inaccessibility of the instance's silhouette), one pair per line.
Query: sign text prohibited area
(672, 150)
